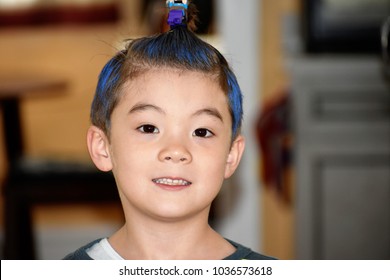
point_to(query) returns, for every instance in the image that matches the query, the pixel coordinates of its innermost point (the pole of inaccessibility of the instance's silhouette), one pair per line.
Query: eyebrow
(144, 106)
(210, 112)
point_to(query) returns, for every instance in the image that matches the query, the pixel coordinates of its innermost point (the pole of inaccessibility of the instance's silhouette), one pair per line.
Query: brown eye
(202, 132)
(148, 128)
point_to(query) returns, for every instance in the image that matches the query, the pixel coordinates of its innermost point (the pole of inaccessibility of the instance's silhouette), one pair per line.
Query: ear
(234, 156)
(98, 147)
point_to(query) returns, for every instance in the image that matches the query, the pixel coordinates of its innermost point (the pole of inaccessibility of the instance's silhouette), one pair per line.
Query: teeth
(170, 182)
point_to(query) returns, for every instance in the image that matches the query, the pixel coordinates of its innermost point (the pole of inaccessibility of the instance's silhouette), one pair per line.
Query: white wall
(239, 27)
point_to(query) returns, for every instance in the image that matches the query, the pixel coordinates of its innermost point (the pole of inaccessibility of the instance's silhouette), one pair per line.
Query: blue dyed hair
(178, 48)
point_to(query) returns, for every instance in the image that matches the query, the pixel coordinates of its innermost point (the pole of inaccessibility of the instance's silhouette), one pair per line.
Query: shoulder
(244, 253)
(81, 253)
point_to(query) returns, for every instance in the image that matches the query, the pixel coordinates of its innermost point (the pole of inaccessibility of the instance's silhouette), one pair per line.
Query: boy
(166, 121)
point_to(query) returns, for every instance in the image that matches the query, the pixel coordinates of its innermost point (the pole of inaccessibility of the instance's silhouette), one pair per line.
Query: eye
(148, 129)
(203, 132)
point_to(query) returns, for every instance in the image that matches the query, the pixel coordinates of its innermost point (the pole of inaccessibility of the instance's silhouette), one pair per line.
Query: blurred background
(315, 179)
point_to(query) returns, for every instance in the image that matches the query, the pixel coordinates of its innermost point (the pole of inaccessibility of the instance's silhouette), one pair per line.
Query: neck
(154, 239)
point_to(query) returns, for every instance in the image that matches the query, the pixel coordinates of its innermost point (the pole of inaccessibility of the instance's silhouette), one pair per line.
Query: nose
(175, 153)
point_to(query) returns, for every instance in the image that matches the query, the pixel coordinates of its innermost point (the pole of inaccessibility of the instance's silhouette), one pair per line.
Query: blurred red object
(274, 138)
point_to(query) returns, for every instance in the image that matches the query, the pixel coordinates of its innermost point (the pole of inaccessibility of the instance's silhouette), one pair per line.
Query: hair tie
(177, 15)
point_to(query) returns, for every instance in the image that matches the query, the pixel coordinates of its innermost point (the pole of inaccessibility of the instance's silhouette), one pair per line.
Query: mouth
(172, 182)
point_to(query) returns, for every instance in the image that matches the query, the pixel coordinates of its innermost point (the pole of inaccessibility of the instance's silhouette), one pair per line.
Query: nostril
(175, 156)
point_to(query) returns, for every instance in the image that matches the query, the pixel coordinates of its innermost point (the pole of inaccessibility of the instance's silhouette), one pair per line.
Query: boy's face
(170, 144)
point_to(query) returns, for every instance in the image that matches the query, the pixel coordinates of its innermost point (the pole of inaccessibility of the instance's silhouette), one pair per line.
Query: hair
(179, 49)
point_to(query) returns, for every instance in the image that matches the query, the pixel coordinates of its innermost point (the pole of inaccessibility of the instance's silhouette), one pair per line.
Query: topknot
(182, 13)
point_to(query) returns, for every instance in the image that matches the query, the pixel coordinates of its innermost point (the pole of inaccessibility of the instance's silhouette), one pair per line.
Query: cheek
(127, 168)
(214, 162)
(124, 155)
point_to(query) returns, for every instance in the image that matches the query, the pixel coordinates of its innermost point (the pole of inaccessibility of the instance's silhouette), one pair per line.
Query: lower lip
(172, 188)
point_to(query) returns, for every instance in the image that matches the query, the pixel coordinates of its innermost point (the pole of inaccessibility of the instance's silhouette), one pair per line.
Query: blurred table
(12, 91)
(35, 181)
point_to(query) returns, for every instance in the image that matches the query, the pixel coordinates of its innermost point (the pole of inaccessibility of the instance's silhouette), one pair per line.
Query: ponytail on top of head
(182, 13)
(179, 48)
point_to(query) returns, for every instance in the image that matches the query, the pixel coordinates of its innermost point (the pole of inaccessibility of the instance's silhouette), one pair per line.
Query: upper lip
(174, 181)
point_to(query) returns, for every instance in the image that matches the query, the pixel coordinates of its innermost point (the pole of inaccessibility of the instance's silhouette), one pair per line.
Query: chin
(173, 214)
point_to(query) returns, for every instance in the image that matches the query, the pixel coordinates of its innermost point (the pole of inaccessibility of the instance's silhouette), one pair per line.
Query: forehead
(175, 84)
(139, 76)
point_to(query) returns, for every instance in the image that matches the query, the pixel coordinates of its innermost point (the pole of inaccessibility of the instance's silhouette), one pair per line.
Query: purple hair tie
(177, 13)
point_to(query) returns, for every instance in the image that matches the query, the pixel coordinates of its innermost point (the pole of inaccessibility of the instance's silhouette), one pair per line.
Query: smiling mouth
(172, 182)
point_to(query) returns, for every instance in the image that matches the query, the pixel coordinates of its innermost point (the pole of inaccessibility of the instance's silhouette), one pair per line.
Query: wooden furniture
(28, 181)
(12, 91)
(341, 124)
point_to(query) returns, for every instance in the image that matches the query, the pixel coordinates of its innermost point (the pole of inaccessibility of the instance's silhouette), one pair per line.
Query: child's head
(166, 121)
(177, 49)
